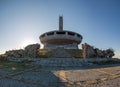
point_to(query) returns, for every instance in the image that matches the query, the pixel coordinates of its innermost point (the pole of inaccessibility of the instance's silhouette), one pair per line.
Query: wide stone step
(60, 53)
(59, 62)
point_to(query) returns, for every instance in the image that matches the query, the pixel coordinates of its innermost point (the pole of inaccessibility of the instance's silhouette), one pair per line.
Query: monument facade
(60, 38)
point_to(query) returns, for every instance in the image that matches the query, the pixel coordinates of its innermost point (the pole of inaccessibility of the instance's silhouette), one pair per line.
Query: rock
(99, 53)
(32, 50)
(3, 57)
(88, 51)
(91, 52)
(15, 53)
(29, 51)
(109, 53)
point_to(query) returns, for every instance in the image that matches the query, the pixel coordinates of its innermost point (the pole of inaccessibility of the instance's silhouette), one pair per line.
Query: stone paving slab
(57, 78)
(115, 71)
(83, 75)
(61, 76)
(90, 77)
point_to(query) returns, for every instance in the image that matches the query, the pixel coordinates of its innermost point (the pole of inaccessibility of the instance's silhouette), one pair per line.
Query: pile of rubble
(92, 52)
(32, 51)
(28, 51)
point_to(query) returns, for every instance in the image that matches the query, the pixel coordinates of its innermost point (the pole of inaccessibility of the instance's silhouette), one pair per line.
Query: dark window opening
(43, 35)
(78, 35)
(71, 33)
(51, 33)
(60, 32)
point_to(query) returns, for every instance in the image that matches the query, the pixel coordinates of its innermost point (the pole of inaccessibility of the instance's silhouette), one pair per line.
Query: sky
(23, 21)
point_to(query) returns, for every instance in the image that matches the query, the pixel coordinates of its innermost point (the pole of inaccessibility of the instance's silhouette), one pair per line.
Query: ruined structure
(60, 38)
(88, 51)
(29, 51)
(60, 44)
(92, 52)
(15, 53)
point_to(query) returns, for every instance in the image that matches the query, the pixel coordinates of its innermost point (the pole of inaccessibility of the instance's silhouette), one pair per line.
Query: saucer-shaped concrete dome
(60, 38)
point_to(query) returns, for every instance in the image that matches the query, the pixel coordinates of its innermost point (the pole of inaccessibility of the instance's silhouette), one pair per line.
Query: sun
(27, 42)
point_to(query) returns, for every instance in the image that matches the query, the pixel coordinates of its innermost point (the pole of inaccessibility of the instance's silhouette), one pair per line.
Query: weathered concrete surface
(32, 50)
(61, 53)
(92, 52)
(60, 76)
(29, 51)
(91, 77)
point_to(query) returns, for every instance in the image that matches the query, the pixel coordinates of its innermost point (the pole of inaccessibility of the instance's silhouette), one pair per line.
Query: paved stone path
(62, 76)
(91, 77)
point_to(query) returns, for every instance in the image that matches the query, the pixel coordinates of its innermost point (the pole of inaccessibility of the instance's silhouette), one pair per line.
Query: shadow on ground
(50, 76)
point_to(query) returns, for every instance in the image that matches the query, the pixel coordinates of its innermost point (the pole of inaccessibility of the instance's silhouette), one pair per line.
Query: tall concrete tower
(60, 23)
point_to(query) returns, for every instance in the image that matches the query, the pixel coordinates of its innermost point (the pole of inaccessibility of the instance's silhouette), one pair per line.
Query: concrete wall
(70, 46)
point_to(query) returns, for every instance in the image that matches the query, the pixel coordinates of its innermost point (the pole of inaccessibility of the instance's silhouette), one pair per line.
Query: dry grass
(45, 53)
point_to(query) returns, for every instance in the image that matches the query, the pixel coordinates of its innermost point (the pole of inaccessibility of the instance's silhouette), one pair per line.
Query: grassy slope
(45, 53)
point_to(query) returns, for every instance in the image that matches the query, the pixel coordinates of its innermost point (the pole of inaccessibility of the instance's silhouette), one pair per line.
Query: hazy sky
(23, 21)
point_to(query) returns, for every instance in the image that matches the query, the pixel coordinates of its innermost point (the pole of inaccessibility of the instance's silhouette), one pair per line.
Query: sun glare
(27, 42)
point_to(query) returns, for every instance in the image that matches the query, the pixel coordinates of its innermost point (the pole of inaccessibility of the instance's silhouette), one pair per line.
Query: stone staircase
(59, 62)
(60, 53)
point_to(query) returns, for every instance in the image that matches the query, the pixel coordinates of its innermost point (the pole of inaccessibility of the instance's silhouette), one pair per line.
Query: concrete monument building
(60, 38)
